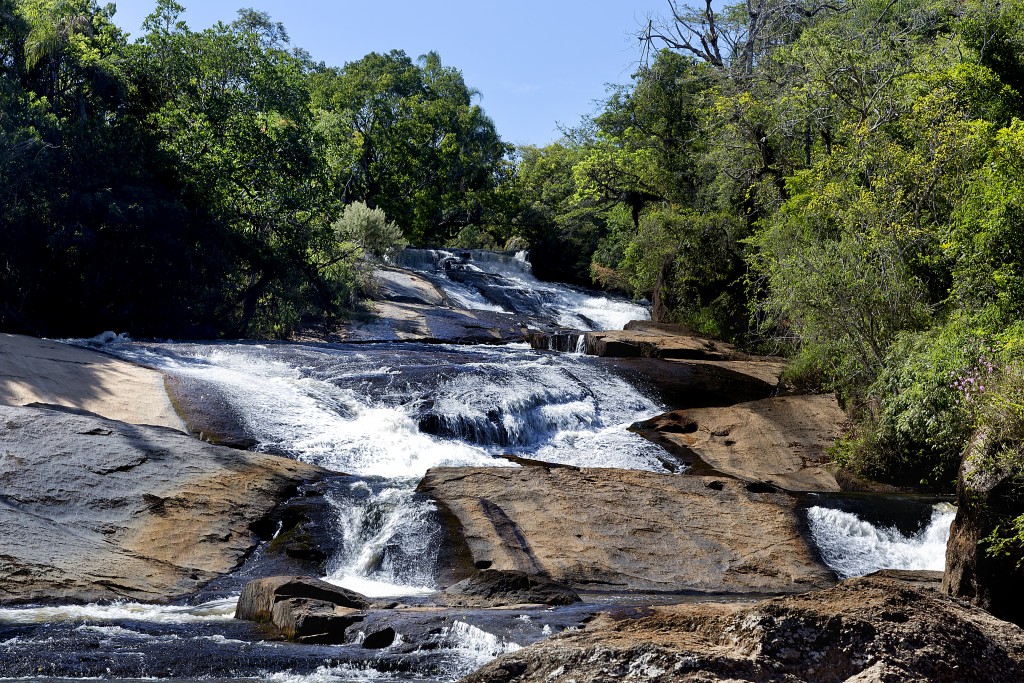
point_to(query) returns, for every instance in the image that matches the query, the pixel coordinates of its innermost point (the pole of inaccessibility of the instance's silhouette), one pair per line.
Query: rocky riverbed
(666, 481)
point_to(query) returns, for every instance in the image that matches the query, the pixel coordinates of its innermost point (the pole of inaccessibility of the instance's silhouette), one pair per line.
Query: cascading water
(504, 282)
(853, 546)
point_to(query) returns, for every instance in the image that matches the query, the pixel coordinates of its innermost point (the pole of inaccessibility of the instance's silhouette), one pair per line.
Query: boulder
(258, 598)
(304, 620)
(782, 441)
(866, 629)
(989, 495)
(42, 371)
(499, 588)
(405, 286)
(609, 529)
(95, 509)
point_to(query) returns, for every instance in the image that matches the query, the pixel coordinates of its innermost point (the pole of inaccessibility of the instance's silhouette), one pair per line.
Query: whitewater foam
(852, 546)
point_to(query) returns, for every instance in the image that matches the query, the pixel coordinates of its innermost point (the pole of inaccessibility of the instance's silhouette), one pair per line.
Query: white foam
(475, 646)
(215, 610)
(345, 673)
(854, 547)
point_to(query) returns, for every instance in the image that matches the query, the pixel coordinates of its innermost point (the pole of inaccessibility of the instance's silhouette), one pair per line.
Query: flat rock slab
(94, 509)
(645, 339)
(609, 529)
(782, 440)
(404, 286)
(41, 371)
(870, 629)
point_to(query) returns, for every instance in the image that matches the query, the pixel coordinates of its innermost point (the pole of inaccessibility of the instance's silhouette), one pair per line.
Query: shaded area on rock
(43, 371)
(95, 509)
(497, 588)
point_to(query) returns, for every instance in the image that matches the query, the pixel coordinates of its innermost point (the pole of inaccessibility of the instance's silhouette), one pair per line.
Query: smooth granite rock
(95, 509)
(43, 371)
(782, 441)
(608, 529)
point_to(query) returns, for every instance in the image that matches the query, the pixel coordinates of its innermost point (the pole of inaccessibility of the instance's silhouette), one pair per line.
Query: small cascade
(852, 546)
(389, 541)
(503, 281)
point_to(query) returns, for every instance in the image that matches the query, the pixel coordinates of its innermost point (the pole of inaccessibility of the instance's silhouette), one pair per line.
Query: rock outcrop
(989, 495)
(867, 629)
(302, 608)
(95, 509)
(607, 529)
(645, 339)
(42, 371)
(499, 588)
(781, 441)
(679, 383)
(399, 321)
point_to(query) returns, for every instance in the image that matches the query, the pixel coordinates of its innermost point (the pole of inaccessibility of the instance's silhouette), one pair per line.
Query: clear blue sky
(537, 63)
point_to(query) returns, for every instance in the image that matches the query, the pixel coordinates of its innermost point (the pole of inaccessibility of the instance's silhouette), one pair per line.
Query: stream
(383, 413)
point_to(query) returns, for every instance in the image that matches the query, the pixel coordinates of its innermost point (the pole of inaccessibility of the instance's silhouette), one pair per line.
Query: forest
(837, 181)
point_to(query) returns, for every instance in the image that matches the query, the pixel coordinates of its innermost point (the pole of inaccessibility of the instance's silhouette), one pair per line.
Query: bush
(921, 410)
(370, 230)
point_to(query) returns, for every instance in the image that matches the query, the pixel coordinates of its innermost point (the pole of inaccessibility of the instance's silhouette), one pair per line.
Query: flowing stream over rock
(385, 413)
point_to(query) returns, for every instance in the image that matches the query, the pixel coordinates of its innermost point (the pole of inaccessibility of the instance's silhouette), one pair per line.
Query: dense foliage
(194, 183)
(840, 181)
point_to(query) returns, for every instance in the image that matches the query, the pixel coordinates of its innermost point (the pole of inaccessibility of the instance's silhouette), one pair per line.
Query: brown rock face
(304, 620)
(94, 509)
(41, 371)
(645, 339)
(987, 496)
(866, 629)
(609, 529)
(681, 383)
(782, 440)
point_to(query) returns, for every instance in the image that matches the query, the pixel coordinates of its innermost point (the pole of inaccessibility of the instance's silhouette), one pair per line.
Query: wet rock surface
(645, 339)
(868, 629)
(498, 588)
(782, 441)
(607, 529)
(402, 321)
(95, 509)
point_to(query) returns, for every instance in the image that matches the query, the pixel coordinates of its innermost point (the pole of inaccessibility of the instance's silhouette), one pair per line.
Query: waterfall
(852, 546)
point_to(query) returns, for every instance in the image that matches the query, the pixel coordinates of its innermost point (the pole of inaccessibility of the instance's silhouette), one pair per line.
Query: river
(383, 413)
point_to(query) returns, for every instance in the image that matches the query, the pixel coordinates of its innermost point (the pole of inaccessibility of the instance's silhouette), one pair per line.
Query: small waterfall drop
(852, 546)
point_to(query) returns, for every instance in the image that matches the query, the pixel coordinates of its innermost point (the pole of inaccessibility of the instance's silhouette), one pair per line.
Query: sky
(537, 63)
